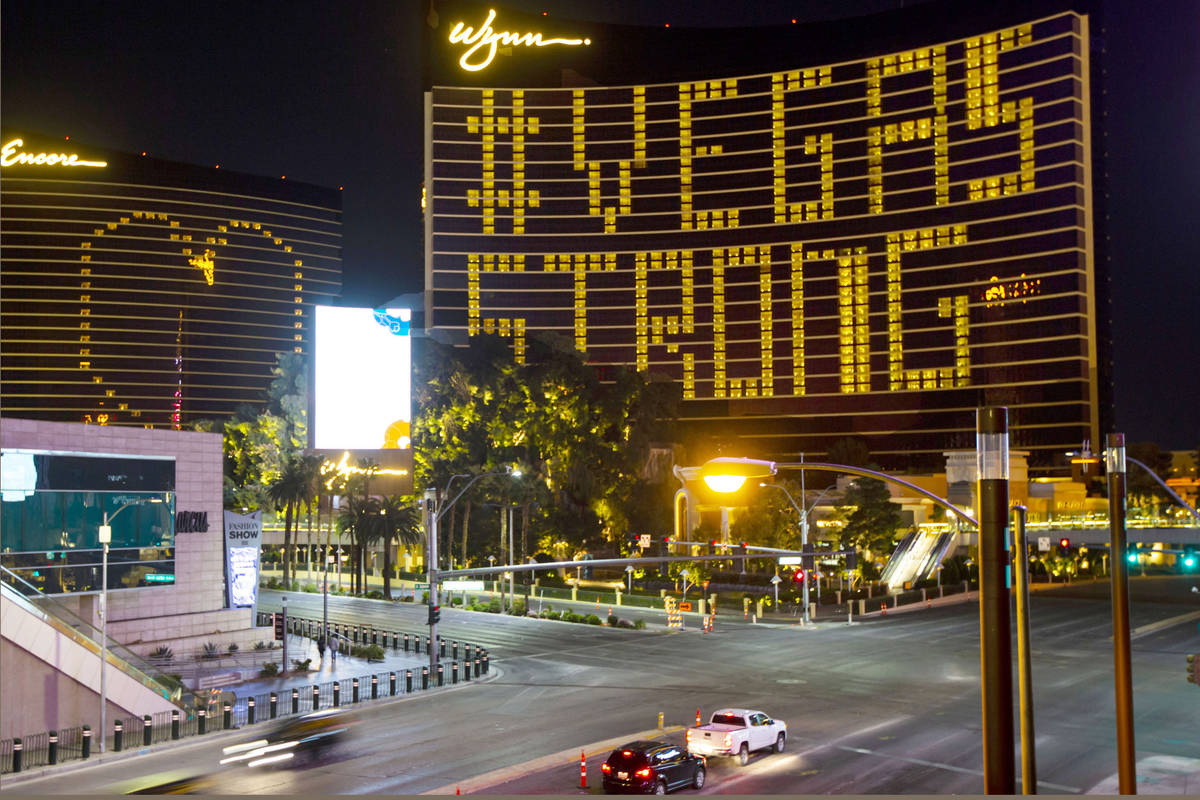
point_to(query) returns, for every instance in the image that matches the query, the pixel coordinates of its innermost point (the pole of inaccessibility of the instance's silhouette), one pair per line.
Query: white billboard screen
(362, 379)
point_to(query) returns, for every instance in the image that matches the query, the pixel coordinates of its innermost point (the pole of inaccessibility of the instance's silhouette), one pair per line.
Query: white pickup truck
(736, 732)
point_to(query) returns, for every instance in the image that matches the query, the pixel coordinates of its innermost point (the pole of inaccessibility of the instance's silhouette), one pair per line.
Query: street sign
(644, 541)
(278, 620)
(776, 579)
(420, 586)
(790, 560)
(459, 586)
(1044, 544)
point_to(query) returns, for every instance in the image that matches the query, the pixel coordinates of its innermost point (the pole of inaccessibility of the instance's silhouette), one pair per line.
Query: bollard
(486, 666)
(316, 696)
(406, 642)
(86, 751)
(392, 683)
(354, 691)
(202, 720)
(660, 720)
(249, 710)
(295, 701)
(582, 770)
(337, 693)
(441, 647)
(174, 725)
(17, 747)
(454, 672)
(395, 641)
(228, 716)
(454, 649)
(408, 681)
(118, 736)
(374, 637)
(697, 717)
(424, 677)
(466, 670)
(52, 752)
(274, 705)
(439, 675)
(374, 687)
(146, 730)
(477, 668)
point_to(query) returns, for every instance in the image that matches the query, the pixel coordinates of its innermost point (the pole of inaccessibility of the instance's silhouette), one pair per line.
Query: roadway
(887, 705)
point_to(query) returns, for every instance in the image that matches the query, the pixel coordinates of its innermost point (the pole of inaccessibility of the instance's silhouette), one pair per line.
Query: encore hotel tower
(867, 227)
(144, 292)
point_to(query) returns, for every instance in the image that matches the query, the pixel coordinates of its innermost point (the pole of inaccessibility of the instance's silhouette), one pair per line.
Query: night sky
(330, 93)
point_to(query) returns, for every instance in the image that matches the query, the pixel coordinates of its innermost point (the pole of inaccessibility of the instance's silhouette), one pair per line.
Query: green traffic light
(1132, 559)
(1189, 561)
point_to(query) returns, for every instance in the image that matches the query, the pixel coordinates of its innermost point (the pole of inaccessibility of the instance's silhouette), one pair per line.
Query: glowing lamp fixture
(727, 474)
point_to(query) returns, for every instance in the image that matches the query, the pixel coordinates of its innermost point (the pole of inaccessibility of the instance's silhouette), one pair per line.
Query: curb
(27, 776)
(560, 758)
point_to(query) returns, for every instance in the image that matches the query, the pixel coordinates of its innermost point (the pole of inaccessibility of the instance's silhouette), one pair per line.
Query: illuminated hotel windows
(810, 245)
(179, 310)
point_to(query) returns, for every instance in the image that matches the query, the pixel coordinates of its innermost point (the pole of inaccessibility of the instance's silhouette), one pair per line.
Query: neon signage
(343, 470)
(487, 38)
(11, 155)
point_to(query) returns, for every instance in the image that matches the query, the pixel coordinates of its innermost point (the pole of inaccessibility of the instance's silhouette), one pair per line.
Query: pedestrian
(333, 647)
(321, 646)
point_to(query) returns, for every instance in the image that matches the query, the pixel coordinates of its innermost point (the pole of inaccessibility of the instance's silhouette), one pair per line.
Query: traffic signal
(1193, 671)
(798, 575)
(1189, 558)
(1064, 543)
(1132, 557)
(435, 614)
(852, 560)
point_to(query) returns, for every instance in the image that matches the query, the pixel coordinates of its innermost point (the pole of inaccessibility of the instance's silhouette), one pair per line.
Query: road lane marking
(948, 767)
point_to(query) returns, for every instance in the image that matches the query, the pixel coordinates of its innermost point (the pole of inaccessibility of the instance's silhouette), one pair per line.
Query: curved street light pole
(438, 510)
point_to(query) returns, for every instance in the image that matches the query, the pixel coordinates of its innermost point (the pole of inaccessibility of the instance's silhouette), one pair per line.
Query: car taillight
(643, 773)
(606, 768)
(728, 739)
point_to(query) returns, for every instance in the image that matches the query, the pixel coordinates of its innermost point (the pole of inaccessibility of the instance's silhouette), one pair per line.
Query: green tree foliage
(770, 520)
(872, 519)
(580, 442)
(293, 487)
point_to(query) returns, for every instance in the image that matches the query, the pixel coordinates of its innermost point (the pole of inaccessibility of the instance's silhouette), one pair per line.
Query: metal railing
(56, 614)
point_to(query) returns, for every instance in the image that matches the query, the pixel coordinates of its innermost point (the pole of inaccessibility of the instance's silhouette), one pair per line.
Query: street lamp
(629, 577)
(803, 512)
(104, 536)
(437, 511)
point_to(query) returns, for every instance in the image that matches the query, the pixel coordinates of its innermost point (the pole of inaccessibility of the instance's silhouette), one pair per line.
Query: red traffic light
(1064, 542)
(745, 545)
(715, 543)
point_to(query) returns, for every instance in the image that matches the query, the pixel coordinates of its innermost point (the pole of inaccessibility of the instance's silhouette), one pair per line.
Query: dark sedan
(652, 768)
(309, 736)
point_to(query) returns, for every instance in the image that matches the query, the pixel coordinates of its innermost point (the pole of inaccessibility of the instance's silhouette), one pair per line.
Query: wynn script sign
(486, 39)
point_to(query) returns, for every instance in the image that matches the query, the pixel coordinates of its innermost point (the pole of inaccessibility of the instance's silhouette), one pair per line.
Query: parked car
(309, 736)
(652, 768)
(737, 732)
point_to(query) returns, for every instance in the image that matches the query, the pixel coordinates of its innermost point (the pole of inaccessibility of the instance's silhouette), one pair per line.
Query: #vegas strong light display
(864, 247)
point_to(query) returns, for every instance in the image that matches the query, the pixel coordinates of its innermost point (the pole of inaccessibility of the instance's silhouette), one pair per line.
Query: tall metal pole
(1114, 461)
(995, 624)
(285, 633)
(1024, 663)
(431, 577)
(511, 560)
(804, 540)
(105, 538)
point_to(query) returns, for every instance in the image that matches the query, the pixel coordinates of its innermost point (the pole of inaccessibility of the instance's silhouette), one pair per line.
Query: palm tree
(310, 466)
(360, 518)
(287, 492)
(398, 519)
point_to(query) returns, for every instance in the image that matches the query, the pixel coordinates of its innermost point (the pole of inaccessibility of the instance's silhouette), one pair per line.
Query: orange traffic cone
(582, 770)
(883, 608)
(458, 789)
(697, 716)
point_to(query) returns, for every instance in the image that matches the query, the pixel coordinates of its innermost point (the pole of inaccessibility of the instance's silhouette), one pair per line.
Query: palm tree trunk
(309, 554)
(287, 543)
(387, 566)
(466, 526)
(524, 528)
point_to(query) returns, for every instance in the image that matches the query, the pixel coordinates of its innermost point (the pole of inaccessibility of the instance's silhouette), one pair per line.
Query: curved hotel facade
(860, 229)
(144, 292)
